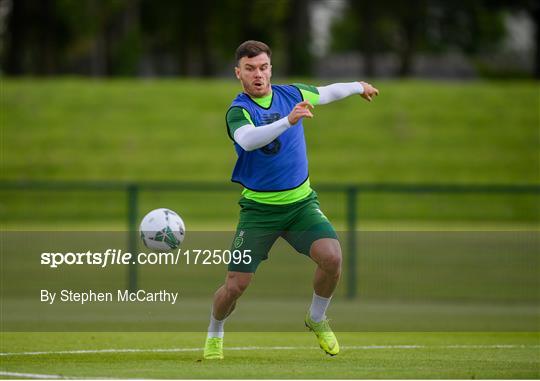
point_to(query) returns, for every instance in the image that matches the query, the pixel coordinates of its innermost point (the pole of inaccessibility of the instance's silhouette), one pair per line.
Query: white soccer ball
(162, 229)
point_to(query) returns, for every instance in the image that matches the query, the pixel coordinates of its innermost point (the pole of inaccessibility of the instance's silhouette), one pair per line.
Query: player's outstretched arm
(337, 91)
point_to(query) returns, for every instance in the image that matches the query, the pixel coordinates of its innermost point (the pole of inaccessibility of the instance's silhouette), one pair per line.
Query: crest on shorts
(238, 241)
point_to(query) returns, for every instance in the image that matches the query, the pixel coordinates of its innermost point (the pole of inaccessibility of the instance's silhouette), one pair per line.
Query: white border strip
(351, 347)
(35, 375)
(41, 376)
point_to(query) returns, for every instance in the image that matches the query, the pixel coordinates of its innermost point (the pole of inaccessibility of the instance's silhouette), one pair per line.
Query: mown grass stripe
(253, 348)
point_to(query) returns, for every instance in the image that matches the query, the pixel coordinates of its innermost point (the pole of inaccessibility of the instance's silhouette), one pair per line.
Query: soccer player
(265, 124)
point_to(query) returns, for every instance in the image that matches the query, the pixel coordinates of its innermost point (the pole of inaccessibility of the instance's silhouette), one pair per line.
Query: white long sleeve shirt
(251, 138)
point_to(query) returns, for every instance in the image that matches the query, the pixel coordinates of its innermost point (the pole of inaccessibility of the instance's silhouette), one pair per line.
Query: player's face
(255, 74)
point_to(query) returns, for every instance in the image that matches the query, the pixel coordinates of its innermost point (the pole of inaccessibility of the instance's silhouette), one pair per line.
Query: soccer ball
(162, 229)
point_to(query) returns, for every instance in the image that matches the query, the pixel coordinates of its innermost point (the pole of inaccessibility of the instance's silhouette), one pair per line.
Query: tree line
(198, 37)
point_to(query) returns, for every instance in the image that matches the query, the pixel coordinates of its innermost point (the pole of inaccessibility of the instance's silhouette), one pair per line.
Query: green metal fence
(352, 192)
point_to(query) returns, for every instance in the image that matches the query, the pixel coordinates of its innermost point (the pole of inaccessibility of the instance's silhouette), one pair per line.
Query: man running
(265, 124)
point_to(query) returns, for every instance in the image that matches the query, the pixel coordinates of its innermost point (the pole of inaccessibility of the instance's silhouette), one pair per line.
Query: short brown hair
(252, 48)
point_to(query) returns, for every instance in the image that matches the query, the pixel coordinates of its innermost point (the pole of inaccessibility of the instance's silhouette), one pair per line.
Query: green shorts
(300, 224)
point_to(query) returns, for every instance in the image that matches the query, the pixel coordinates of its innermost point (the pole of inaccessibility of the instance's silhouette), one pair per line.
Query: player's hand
(301, 110)
(369, 91)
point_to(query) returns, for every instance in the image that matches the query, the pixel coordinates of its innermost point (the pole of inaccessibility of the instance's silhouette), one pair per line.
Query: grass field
(157, 130)
(269, 355)
(468, 310)
(125, 130)
(448, 285)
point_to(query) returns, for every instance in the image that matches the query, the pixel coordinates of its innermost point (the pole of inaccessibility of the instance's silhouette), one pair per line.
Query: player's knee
(333, 263)
(327, 254)
(236, 286)
(235, 290)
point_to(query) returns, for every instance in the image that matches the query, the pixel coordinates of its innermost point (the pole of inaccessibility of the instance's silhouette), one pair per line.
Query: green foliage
(118, 37)
(414, 26)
